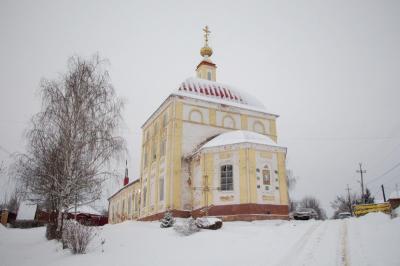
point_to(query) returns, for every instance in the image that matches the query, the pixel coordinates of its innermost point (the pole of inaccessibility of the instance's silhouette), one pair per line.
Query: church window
(226, 177)
(123, 206)
(228, 122)
(196, 116)
(144, 196)
(209, 75)
(258, 127)
(266, 173)
(161, 188)
(162, 147)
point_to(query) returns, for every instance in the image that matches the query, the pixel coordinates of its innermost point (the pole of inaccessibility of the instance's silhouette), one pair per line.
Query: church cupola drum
(212, 149)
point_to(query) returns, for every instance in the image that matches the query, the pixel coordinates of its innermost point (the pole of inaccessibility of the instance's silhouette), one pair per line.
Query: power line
(385, 173)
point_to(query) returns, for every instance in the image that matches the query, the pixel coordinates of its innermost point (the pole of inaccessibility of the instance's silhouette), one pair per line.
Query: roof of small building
(239, 136)
(124, 187)
(212, 91)
(86, 209)
(26, 211)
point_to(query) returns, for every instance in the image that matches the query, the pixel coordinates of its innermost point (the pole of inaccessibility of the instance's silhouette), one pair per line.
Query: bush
(167, 221)
(77, 236)
(187, 228)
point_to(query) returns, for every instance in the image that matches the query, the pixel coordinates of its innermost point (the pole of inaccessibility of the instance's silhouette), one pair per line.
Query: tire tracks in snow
(296, 250)
(344, 257)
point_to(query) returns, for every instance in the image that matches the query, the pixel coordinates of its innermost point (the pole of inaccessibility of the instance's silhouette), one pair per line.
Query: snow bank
(373, 240)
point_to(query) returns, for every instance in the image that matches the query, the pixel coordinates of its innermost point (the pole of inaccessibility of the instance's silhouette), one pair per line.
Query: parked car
(305, 214)
(344, 215)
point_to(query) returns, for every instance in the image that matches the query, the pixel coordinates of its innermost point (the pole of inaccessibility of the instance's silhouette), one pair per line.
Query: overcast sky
(330, 69)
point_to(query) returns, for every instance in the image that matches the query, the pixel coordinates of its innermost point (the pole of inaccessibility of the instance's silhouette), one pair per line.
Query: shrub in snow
(209, 223)
(77, 236)
(167, 221)
(187, 227)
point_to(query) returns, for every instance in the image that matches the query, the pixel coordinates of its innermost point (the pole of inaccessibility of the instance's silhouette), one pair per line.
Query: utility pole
(383, 193)
(361, 171)
(348, 194)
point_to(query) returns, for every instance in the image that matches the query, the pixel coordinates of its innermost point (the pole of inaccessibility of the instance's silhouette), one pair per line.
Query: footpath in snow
(369, 240)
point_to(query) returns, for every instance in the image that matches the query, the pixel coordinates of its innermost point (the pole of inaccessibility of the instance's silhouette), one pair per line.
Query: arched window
(228, 122)
(196, 116)
(266, 174)
(226, 177)
(209, 75)
(259, 127)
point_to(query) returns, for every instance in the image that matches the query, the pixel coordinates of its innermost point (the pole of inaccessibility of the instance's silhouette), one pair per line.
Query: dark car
(305, 214)
(344, 215)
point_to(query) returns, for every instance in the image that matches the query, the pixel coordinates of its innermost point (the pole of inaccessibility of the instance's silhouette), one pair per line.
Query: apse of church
(211, 149)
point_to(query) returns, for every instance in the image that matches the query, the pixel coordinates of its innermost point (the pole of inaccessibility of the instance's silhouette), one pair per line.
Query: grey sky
(330, 69)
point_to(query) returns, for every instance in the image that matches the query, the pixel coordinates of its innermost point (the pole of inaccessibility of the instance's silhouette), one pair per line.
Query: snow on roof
(212, 91)
(239, 136)
(84, 209)
(26, 211)
(395, 195)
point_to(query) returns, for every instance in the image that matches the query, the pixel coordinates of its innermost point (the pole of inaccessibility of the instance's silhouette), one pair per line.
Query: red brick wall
(234, 212)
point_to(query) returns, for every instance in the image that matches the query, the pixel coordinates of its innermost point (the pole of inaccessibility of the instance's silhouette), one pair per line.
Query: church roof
(239, 136)
(212, 91)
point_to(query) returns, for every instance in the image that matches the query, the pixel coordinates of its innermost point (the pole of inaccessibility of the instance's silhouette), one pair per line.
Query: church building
(209, 149)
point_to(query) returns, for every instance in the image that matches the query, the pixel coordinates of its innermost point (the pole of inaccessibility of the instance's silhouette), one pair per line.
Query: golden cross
(207, 32)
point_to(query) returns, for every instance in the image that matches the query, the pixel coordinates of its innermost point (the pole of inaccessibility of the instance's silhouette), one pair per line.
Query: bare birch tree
(73, 138)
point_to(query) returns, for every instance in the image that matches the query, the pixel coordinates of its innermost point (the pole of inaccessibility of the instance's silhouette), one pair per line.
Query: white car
(305, 214)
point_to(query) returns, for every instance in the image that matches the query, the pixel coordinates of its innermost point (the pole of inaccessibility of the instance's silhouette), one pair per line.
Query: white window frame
(224, 173)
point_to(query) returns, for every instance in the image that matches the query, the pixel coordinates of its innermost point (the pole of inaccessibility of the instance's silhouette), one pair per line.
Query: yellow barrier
(362, 209)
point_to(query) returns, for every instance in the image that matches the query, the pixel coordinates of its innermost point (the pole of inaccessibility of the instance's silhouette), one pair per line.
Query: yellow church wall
(252, 175)
(119, 204)
(212, 116)
(243, 178)
(244, 122)
(177, 142)
(272, 129)
(154, 131)
(283, 189)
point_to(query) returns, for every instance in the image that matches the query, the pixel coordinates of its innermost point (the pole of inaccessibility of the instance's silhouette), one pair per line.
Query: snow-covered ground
(370, 240)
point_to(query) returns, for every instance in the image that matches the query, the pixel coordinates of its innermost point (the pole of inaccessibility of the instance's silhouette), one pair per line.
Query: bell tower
(206, 69)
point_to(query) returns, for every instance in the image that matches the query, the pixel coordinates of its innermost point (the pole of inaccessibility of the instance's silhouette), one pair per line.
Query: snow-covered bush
(167, 221)
(77, 236)
(209, 223)
(187, 227)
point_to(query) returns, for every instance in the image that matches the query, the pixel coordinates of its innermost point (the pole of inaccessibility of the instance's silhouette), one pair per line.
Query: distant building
(208, 149)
